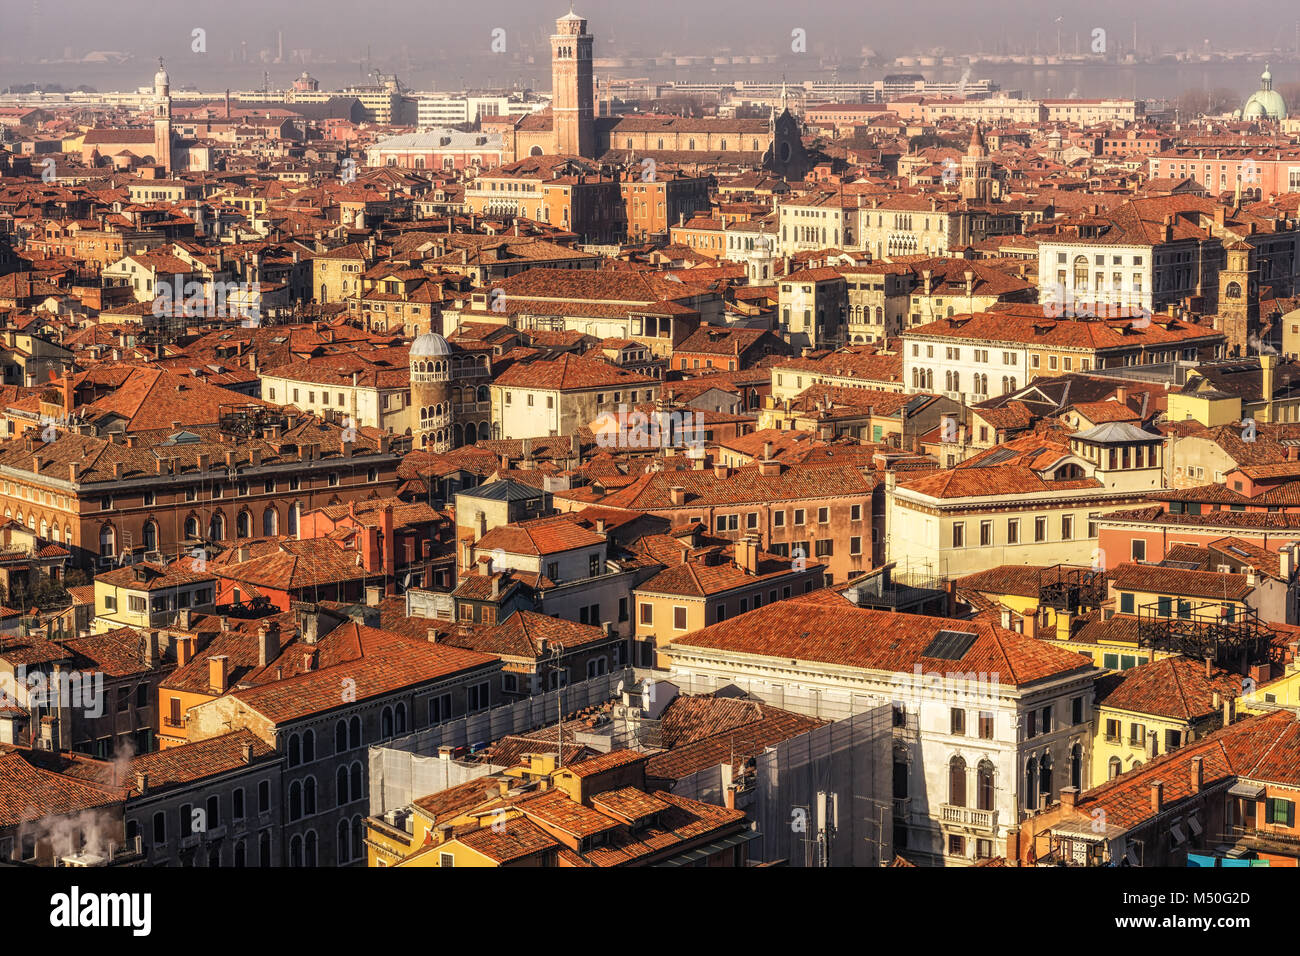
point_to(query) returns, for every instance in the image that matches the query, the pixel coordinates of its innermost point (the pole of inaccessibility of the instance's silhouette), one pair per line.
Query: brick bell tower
(572, 88)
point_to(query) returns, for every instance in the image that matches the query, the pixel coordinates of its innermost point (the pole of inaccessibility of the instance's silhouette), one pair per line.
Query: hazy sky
(434, 44)
(45, 27)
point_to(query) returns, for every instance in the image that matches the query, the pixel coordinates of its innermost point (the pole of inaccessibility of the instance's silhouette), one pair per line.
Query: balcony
(968, 817)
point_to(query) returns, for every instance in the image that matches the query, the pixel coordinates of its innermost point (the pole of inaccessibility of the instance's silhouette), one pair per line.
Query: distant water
(1160, 81)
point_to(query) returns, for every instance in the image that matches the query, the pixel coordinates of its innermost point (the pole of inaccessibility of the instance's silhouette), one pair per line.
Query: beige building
(1038, 506)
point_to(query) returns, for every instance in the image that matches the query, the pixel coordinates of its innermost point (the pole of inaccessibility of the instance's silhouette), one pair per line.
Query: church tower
(162, 118)
(1239, 297)
(977, 169)
(572, 87)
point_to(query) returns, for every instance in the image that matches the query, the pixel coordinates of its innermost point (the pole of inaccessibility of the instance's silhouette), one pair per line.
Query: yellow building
(592, 813)
(1156, 708)
(147, 595)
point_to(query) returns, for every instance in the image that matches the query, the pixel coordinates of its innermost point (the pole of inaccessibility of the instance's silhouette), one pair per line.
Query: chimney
(1227, 711)
(1198, 774)
(767, 451)
(677, 495)
(184, 651)
(150, 648)
(141, 782)
(1157, 797)
(309, 660)
(721, 471)
(1069, 797)
(1209, 666)
(268, 644)
(218, 674)
(248, 753)
(769, 469)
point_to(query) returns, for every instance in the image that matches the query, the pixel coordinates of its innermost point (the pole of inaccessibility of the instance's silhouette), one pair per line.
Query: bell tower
(1238, 306)
(572, 87)
(162, 118)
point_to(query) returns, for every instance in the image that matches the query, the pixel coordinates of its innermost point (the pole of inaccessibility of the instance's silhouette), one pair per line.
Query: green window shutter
(1126, 603)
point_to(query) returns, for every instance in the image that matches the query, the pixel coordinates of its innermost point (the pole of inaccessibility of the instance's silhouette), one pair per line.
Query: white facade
(924, 738)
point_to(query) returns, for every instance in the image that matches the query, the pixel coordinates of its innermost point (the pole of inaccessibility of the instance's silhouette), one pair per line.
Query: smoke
(87, 831)
(1260, 346)
(120, 765)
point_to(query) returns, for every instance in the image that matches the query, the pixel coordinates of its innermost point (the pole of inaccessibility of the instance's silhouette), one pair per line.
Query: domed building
(430, 359)
(1265, 103)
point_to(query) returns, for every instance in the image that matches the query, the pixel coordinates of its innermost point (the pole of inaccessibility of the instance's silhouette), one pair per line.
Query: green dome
(1266, 102)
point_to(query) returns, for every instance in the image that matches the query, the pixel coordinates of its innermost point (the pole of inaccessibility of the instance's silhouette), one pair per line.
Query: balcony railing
(968, 817)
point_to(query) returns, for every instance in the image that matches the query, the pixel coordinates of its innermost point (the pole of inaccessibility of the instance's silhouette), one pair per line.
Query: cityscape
(875, 455)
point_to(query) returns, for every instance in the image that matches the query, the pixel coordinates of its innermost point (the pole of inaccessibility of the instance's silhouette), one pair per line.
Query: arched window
(308, 746)
(341, 785)
(244, 525)
(192, 528)
(1076, 766)
(295, 800)
(984, 786)
(354, 732)
(217, 528)
(1081, 272)
(1113, 768)
(264, 848)
(151, 535)
(354, 779)
(295, 750)
(1031, 784)
(1045, 776)
(358, 838)
(295, 851)
(344, 842)
(957, 782)
(399, 718)
(341, 736)
(309, 796)
(241, 852)
(107, 541)
(386, 723)
(309, 855)
(1233, 291)
(270, 522)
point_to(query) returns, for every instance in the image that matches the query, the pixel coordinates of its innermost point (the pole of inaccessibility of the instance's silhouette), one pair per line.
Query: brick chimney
(268, 644)
(677, 495)
(1069, 797)
(219, 674)
(1157, 797)
(1198, 774)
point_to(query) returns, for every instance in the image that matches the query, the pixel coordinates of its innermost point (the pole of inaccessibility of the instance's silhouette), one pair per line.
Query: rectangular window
(1013, 531)
(1067, 527)
(957, 722)
(1139, 550)
(986, 725)
(1040, 528)
(798, 516)
(679, 618)
(1126, 602)
(647, 614)
(478, 696)
(986, 534)
(823, 515)
(1281, 812)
